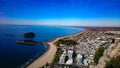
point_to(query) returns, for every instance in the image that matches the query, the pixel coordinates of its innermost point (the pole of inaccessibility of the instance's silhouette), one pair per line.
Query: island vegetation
(28, 42)
(29, 35)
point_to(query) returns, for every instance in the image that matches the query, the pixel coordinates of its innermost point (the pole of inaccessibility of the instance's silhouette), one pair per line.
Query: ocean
(13, 55)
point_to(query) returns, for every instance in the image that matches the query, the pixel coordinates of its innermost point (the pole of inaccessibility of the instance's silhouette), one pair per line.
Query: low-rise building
(79, 59)
(62, 59)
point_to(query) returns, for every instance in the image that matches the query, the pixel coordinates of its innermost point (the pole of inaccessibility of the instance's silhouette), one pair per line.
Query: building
(86, 62)
(62, 59)
(70, 53)
(70, 61)
(79, 59)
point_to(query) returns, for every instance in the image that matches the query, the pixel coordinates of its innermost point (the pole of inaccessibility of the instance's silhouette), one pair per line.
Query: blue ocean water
(13, 55)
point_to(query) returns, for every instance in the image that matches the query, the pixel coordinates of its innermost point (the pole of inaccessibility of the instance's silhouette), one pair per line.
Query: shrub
(98, 54)
(113, 63)
(57, 55)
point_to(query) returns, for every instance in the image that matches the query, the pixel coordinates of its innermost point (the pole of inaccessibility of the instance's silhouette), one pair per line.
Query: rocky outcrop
(30, 42)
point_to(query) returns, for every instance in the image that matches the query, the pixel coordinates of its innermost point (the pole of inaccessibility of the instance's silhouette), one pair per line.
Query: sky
(60, 12)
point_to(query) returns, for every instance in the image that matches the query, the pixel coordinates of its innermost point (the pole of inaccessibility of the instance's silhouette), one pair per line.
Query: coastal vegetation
(113, 63)
(98, 54)
(57, 55)
(66, 42)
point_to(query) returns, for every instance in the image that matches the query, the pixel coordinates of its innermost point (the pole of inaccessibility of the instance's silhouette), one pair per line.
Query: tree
(66, 42)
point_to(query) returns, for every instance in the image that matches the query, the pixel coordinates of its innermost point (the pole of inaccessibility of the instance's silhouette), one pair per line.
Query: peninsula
(62, 53)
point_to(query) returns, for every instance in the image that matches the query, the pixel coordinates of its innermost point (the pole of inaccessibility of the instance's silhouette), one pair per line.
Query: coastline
(48, 56)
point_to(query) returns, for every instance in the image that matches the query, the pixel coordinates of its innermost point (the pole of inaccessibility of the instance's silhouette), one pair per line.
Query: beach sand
(46, 57)
(49, 54)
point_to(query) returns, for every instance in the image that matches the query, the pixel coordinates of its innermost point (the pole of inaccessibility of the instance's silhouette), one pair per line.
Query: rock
(29, 35)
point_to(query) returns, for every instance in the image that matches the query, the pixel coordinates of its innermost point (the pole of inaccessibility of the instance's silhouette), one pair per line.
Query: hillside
(111, 52)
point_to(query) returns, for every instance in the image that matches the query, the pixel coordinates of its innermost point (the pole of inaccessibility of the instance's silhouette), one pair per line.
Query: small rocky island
(29, 42)
(29, 35)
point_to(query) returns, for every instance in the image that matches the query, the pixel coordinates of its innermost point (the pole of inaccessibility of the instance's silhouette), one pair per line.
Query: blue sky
(60, 12)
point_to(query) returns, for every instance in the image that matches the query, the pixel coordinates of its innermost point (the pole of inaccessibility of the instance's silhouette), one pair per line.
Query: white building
(79, 59)
(62, 59)
(70, 61)
(70, 53)
(86, 62)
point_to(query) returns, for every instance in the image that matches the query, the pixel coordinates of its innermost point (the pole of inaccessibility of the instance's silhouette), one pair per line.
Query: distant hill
(95, 28)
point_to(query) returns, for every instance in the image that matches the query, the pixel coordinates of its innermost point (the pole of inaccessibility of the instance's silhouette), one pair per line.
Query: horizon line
(55, 25)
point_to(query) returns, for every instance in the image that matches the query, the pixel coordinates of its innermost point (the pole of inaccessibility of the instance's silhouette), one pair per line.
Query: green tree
(70, 42)
(66, 42)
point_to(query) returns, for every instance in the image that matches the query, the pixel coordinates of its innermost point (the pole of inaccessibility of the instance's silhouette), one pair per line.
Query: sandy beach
(46, 57)
(49, 54)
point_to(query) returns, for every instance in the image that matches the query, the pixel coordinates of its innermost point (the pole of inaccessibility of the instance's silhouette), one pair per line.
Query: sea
(13, 55)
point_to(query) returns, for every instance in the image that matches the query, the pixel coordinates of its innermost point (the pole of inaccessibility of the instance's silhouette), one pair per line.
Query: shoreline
(48, 56)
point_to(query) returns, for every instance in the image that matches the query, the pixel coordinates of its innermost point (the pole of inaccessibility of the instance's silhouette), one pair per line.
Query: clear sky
(60, 12)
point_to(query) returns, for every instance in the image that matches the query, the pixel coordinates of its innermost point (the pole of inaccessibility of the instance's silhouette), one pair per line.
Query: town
(78, 51)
